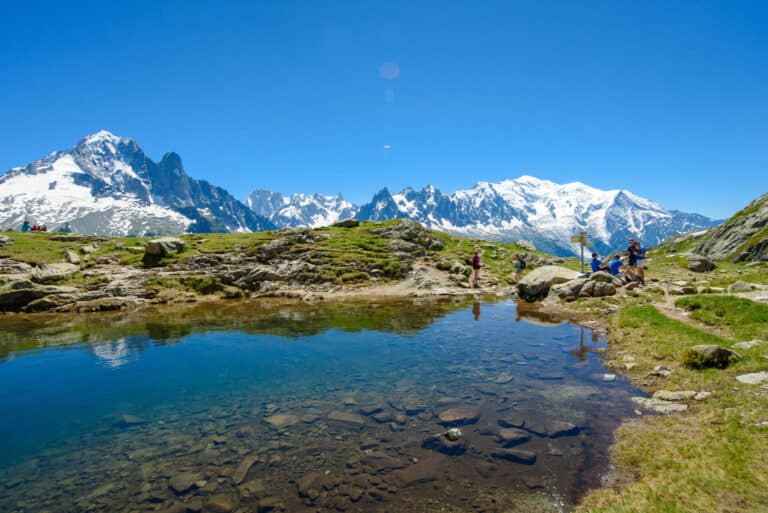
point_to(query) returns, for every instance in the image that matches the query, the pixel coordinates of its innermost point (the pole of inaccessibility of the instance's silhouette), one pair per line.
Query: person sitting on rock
(619, 270)
(596, 263)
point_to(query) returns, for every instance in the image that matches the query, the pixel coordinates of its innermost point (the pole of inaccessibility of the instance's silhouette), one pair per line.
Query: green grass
(741, 318)
(709, 459)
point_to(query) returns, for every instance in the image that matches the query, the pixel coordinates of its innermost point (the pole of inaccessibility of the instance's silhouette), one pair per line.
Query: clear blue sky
(667, 99)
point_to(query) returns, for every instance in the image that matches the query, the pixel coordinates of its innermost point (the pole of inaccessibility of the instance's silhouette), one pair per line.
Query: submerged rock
(516, 455)
(449, 442)
(183, 482)
(282, 420)
(513, 436)
(459, 416)
(659, 406)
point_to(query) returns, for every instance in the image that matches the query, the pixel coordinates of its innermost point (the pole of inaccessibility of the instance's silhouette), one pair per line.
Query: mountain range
(107, 185)
(542, 212)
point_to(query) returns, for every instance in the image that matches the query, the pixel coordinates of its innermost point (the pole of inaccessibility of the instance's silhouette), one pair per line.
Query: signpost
(581, 239)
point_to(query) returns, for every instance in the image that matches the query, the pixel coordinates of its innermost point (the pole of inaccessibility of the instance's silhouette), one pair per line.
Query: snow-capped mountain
(107, 185)
(313, 210)
(528, 208)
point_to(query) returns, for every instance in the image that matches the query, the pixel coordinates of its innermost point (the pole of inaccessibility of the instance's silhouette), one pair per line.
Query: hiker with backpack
(477, 263)
(519, 266)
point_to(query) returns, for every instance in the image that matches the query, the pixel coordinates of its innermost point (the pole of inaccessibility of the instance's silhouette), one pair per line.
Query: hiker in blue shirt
(596, 263)
(615, 266)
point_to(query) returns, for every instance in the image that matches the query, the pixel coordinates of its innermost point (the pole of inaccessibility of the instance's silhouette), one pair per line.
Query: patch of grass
(709, 459)
(742, 318)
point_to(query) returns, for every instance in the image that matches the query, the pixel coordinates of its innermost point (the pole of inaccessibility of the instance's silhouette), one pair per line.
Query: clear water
(328, 404)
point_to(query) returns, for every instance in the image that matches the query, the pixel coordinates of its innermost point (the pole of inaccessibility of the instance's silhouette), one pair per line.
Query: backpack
(522, 264)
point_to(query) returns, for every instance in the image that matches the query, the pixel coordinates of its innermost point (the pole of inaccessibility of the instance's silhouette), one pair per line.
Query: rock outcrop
(743, 237)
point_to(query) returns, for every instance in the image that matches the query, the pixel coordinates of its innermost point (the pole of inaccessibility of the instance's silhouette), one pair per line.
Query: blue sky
(666, 99)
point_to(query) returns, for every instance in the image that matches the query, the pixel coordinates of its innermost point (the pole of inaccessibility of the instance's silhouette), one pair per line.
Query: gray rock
(450, 442)
(459, 416)
(748, 345)
(568, 289)
(241, 472)
(560, 428)
(700, 264)
(516, 455)
(679, 395)
(349, 419)
(5, 240)
(222, 503)
(72, 257)
(418, 473)
(53, 272)
(740, 286)
(658, 405)
(269, 504)
(710, 355)
(536, 284)
(164, 246)
(526, 244)
(754, 378)
(602, 276)
(513, 436)
(89, 248)
(23, 293)
(252, 488)
(183, 482)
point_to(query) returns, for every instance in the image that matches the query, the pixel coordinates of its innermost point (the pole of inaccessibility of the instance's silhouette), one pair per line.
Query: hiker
(640, 251)
(596, 263)
(477, 263)
(519, 266)
(632, 255)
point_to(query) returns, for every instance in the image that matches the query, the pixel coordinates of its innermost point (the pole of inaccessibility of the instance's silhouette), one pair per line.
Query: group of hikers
(633, 270)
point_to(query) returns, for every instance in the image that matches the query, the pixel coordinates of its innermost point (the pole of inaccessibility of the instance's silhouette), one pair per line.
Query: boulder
(567, 289)
(5, 240)
(347, 223)
(748, 345)
(526, 244)
(53, 272)
(164, 246)
(602, 276)
(89, 248)
(700, 264)
(536, 284)
(710, 355)
(222, 503)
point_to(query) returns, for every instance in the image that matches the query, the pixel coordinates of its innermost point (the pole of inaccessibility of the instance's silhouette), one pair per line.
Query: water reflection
(332, 407)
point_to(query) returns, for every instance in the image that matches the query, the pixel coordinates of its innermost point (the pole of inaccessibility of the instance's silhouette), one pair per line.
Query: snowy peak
(107, 185)
(526, 207)
(313, 210)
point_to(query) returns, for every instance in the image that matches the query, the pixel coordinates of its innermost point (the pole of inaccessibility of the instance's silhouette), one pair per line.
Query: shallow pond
(277, 406)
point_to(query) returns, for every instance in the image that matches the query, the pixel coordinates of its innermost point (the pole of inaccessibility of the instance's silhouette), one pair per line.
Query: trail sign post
(581, 239)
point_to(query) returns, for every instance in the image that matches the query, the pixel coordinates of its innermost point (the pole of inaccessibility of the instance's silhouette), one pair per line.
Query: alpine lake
(378, 406)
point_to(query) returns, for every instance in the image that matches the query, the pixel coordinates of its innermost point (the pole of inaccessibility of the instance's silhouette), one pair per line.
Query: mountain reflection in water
(329, 406)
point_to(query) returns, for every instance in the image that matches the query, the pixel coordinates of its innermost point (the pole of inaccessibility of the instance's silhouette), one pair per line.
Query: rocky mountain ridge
(525, 208)
(106, 185)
